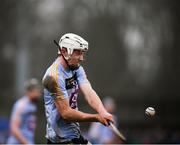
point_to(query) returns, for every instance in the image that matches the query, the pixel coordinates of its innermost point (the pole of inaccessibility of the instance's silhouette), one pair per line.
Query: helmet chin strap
(72, 67)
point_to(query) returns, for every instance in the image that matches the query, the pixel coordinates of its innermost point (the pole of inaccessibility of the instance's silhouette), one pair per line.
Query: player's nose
(81, 58)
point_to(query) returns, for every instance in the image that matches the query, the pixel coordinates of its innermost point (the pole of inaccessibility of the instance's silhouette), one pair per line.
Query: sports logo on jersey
(71, 82)
(73, 100)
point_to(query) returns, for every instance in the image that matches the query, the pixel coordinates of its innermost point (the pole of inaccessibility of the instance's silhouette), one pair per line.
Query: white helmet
(72, 41)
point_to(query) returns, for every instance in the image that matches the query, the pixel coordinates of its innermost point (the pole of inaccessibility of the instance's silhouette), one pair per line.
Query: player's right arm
(15, 125)
(62, 103)
(73, 115)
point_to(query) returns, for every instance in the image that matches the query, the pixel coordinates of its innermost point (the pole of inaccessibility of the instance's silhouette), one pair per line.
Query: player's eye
(78, 52)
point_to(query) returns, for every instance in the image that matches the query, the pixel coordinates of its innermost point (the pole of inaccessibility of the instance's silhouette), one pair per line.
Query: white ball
(150, 111)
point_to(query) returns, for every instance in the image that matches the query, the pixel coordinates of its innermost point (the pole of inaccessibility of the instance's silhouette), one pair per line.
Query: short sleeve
(56, 86)
(62, 87)
(81, 75)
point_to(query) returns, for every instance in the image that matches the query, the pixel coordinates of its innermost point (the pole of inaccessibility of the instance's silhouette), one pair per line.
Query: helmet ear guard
(60, 49)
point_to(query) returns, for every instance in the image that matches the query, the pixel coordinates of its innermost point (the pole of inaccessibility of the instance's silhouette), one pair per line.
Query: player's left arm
(94, 101)
(91, 96)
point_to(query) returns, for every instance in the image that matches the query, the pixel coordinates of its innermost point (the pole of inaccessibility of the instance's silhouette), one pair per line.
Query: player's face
(34, 94)
(77, 57)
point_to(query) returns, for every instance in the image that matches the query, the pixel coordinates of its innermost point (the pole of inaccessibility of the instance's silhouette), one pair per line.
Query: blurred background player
(100, 134)
(62, 81)
(23, 117)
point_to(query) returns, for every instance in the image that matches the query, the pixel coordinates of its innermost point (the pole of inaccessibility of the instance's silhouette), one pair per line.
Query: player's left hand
(107, 116)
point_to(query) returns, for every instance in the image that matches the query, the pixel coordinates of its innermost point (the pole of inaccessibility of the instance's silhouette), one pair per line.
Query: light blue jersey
(24, 110)
(61, 84)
